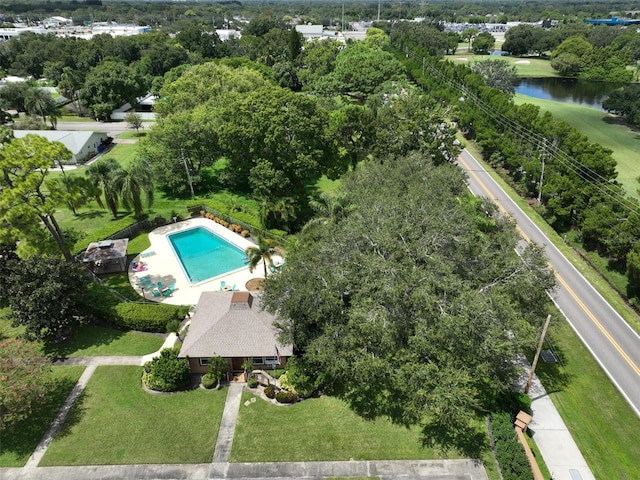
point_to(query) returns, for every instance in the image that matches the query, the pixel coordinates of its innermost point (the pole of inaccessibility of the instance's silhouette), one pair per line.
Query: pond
(570, 90)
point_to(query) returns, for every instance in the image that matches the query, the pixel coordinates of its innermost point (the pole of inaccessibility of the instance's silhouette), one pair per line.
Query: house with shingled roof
(232, 325)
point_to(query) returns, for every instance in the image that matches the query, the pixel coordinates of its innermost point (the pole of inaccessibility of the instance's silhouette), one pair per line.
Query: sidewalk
(559, 451)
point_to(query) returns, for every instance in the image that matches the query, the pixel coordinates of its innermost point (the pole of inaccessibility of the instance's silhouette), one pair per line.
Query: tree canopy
(413, 302)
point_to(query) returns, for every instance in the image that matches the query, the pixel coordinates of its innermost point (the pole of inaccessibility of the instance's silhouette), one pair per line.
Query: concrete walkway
(559, 451)
(385, 470)
(48, 437)
(222, 451)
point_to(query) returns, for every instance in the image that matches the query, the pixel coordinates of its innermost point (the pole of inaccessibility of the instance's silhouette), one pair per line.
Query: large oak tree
(413, 303)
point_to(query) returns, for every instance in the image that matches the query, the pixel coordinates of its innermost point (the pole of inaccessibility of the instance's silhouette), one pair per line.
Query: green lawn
(91, 340)
(17, 444)
(116, 422)
(526, 66)
(320, 429)
(601, 128)
(6, 329)
(133, 134)
(325, 429)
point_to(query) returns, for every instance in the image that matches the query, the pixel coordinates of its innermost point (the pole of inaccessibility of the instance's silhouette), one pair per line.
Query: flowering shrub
(244, 233)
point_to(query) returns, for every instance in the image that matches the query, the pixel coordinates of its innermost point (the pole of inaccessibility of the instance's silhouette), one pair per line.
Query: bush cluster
(146, 317)
(167, 373)
(510, 454)
(285, 396)
(209, 380)
(252, 382)
(270, 391)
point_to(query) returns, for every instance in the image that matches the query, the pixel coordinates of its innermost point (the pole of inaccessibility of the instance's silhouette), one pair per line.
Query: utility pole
(535, 359)
(379, 1)
(184, 161)
(543, 156)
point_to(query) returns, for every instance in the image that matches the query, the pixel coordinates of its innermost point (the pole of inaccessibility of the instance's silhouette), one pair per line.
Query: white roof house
(82, 145)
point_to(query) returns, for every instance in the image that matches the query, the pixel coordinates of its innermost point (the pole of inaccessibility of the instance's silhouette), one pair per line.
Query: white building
(82, 145)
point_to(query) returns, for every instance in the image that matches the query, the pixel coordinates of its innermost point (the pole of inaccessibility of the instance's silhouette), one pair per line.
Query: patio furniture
(222, 285)
(156, 292)
(169, 290)
(233, 287)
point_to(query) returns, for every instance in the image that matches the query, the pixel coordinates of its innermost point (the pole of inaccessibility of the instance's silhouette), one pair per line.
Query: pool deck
(162, 265)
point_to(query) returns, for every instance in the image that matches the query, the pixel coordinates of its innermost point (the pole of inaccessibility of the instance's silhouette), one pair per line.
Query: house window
(257, 360)
(204, 362)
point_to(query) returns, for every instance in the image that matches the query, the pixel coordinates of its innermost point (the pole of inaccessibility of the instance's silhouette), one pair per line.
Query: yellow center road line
(566, 286)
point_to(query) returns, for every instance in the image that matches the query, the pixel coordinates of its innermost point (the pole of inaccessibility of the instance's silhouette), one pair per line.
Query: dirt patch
(522, 62)
(255, 285)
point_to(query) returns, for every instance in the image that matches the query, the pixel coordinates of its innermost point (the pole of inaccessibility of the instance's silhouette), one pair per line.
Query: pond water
(570, 90)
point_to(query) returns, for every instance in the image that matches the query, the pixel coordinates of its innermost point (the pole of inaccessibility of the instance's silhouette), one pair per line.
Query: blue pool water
(204, 254)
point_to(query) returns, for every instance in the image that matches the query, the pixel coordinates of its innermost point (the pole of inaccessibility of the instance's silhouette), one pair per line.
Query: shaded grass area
(321, 429)
(116, 422)
(91, 340)
(7, 330)
(17, 444)
(601, 422)
(602, 128)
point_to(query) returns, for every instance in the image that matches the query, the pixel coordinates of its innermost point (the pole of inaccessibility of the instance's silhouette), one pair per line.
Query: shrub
(244, 233)
(209, 381)
(217, 367)
(173, 325)
(146, 317)
(202, 213)
(510, 454)
(270, 391)
(252, 382)
(285, 396)
(167, 373)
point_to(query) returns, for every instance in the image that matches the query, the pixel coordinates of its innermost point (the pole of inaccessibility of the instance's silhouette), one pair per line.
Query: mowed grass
(602, 128)
(116, 422)
(91, 340)
(525, 66)
(18, 443)
(321, 429)
(603, 425)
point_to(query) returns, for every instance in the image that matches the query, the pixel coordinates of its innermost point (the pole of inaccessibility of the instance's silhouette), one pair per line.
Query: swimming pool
(204, 255)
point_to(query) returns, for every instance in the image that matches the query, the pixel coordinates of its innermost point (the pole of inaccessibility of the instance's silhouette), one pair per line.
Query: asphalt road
(612, 342)
(113, 129)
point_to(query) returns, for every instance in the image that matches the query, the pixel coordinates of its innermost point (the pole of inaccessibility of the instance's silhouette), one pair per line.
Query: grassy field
(116, 422)
(526, 66)
(325, 429)
(601, 128)
(17, 444)
(92, 340)
(600, 420)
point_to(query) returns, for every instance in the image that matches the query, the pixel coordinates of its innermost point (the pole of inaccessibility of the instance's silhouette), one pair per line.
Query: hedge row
(510, 454)
(147, 317)
(107, 231)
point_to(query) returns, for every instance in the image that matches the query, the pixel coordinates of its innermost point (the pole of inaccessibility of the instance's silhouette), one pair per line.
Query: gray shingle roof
(231, 324)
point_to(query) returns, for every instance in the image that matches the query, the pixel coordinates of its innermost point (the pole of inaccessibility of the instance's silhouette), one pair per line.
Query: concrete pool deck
(162, 265)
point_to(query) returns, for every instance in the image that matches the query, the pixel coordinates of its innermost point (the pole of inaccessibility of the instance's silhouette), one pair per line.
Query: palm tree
(39, 102)
(134, 182)
(263, 252)
(105, 173)
(327, 209)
